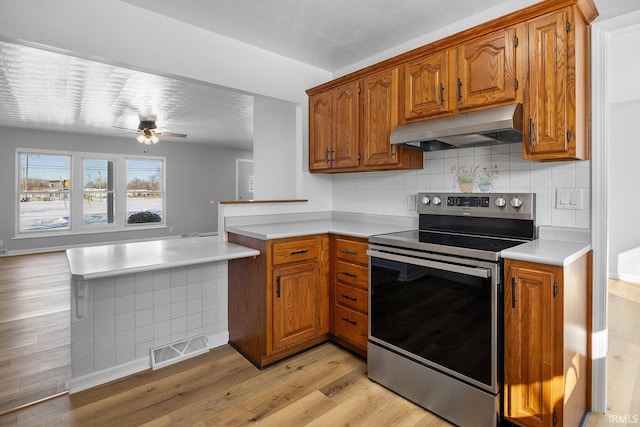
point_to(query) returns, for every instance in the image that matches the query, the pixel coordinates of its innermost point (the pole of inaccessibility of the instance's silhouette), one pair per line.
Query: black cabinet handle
(278, 287)
(303, 251)
(349, 251)
(349, 297)
(441, 94)
(532, 129)
(353, 322)
(346, 273)
(513, 292)
(459, 89)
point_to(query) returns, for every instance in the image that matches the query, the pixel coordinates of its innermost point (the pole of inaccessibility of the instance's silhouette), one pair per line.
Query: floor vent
(3, 252)
(178, 351)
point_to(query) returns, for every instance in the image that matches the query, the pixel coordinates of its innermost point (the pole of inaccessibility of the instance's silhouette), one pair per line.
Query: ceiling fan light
(141, 138)
(154, 139)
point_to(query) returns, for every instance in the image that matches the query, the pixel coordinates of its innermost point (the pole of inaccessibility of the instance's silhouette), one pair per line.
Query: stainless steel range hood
(497, 125)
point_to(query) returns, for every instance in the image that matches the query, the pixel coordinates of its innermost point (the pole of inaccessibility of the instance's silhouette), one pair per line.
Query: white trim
(626, 277)
(95, 379)
(599, 216)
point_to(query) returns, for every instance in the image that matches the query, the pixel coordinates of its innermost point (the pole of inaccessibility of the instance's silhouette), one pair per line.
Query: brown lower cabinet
(547, 328)
(297, 293)
(279, 300)
(349, 305)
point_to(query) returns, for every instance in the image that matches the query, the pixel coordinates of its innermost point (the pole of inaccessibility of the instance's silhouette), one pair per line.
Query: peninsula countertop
(124, 258)
(344, 227)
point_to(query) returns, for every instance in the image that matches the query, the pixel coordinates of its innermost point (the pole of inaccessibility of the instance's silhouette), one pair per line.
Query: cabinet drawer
(351, 297)
(351, 325)
(352, 274)
(297, 250)
(352, 251)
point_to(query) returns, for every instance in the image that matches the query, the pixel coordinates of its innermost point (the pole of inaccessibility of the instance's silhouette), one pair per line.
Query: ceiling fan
(148, 132)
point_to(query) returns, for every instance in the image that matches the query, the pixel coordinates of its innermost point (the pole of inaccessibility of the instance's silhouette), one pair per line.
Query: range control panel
(478, 202)
(499, 205)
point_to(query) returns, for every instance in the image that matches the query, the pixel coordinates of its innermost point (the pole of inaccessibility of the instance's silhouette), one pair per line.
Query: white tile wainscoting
(386, 193)
(128, 315)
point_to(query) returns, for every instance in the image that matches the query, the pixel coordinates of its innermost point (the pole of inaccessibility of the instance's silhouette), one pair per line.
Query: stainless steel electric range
(435, 302)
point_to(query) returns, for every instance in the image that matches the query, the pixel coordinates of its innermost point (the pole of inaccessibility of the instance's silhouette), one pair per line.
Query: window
(144, 191)
(98, 197)
(44, 182)
(68, 193)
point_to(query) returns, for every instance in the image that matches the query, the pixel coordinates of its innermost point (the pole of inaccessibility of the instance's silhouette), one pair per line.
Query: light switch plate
(569, 198)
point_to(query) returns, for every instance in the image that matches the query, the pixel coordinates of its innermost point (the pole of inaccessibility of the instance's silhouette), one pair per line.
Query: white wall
(196, 174)
(274, 145)
(624, 153)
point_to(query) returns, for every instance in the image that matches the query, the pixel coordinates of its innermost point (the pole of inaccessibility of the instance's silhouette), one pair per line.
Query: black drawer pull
(349, 297)
(346, 273)
(349, 251)
(303, 251)
(353, 322)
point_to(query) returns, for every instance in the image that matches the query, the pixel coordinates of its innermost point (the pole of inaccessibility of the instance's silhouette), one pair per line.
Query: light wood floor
(34, 328)
(321, 387)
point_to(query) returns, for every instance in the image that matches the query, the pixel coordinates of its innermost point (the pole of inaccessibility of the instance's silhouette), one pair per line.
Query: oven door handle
(470, 271)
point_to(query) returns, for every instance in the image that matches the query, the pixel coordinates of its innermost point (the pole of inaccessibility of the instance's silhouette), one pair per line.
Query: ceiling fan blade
(177, 135)
(127, 129)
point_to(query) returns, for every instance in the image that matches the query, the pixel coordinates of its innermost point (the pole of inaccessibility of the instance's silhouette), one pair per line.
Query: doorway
(244, 179)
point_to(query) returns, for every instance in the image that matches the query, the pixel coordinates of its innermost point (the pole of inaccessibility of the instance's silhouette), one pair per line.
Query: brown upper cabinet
(350, 125)
(334, 128)
(557, 89)
(473, 74)
(537, 56)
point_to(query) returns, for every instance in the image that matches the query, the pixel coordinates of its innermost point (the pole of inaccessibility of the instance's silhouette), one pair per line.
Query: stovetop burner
(482, 243)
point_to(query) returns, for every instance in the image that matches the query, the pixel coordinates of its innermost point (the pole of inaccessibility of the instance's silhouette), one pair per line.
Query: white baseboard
(95, 379)
(104, 376)
(626, 277)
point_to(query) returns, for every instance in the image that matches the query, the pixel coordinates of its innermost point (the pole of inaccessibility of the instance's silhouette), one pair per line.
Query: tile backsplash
(386, 192)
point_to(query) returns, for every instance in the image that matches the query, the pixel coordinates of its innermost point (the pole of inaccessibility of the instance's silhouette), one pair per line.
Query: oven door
(438, 310)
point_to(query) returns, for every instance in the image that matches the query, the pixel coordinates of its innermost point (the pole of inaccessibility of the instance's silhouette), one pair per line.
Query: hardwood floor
(325, 386)
(321, 387)
(623, 359)
(34, 328)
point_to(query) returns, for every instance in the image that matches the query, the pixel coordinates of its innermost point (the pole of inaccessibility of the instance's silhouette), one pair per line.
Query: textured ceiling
(51, 91)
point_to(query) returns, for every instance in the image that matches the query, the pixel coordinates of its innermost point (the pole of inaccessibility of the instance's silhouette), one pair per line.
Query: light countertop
(350, 228)
(123, 258)
(556, 246)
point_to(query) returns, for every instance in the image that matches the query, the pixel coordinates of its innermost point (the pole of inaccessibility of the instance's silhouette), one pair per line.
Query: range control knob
(500, 202)
(516, 203)
(425, 200)
(436, 200)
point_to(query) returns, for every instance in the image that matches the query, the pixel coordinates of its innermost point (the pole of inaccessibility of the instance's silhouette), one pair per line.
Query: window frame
(76, 194)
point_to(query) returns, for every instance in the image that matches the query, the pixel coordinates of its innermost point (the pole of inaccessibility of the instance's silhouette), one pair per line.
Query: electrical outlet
(1, 242)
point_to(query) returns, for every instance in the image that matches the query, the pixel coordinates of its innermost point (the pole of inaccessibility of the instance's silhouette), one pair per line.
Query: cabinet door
(380, 117)
(547, 106)
(487, 69)
(345, 131)
(320, 128)
(295, 310)
(530, 321)
(425, 86)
